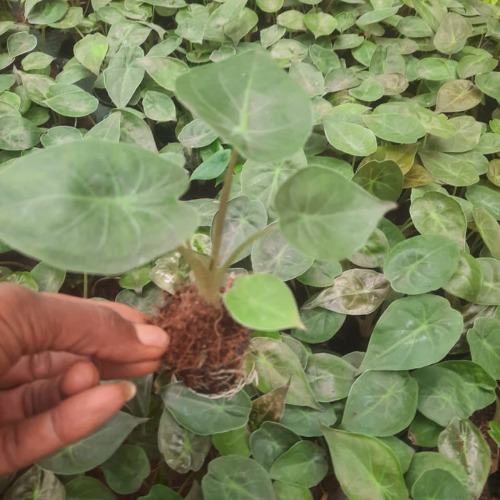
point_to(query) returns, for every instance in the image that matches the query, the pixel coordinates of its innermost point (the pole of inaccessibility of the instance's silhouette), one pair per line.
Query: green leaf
(438, 214)
(262, 302)
(424, 432)
(266, 115)
(90, 51)
(285, 491)
(452, 33)
(164, 70)
(48, 278)
(489, 83)
(320, 325)
(136, 279)
(325, 215)
(350, 138)
(197, 134)
(236, 478)
(467, 279)
(437, 69)
(382, 474)
(484, 342)
(36, 483)
(213, 167)
(182, 450)
(233, 442)
(276, 365)
(453, 389)
(413, 332)
(421, 264)
(355, 292)
(329, 376)
(20, 43)
(304, 464)
(457, 95)
(17, 134)
(48, 11)
(270, 442)
(60, 135)
(485, 196)
(404, 452)
(465, 137)
(94, 206)
(158, 106)
(70, 100)
(309, 78)
(321, 273)
(82, 488)
(373, 252)
(370, 90)
(274, 255)
(383, 179)
(126, 469)
(463, 443)
(381, 403)
(160, 492)
(489, 229)
(489, 293)
(400, 128)
(308, 422)
(94, 449)
(202, 415)
(320, 23)
(437, 484)
(123, 75)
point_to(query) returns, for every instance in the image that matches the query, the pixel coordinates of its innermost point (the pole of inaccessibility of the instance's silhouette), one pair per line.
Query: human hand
(54, 350)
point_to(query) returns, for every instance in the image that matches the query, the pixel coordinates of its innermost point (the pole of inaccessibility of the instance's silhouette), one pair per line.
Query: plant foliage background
(377, 159)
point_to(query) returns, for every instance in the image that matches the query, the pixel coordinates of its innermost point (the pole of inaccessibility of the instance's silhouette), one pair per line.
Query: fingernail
(130, 390)
(151, 336)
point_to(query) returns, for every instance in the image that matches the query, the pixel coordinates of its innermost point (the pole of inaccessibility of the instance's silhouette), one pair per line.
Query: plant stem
(85, 286)
(220, 217)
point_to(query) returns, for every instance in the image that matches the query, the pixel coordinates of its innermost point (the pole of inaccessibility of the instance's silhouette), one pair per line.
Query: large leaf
(457, 95)
(413, 332)
(437, 484)
(381, 403)
(421, 264)
(452, 34)
(453, 389)
(202, 415)
(94, 206)
(93, 450)
(250, 103)
(325, 215)
(484, 342)
(352, 453)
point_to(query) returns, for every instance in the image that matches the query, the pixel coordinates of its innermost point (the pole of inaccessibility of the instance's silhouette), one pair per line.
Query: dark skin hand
(54, 350)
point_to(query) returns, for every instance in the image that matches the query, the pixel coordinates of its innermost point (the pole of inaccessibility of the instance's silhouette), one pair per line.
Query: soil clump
(207, 346)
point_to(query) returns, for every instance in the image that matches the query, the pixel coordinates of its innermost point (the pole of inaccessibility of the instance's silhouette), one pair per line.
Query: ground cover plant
(306, 195)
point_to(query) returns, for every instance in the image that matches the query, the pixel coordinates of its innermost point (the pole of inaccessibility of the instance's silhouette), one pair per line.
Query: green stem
(220, 217)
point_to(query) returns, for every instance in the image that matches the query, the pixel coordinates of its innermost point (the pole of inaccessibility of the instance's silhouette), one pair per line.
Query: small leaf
(49, 279)
(36, 483)
(158, 106)
(82, 488)
(489, 229)
(308, 422)
(262, 302)
(383, 179)
(213, 167)
(484, 342)
(18, 134)
(90, 51)
(400, 128)
(452, 34)
(350, 138)
(489, 83)
(20, 43)
(70, 100)
(320, 23)
(439, 484)
(320, 325)
(196, 134)
(268, 407)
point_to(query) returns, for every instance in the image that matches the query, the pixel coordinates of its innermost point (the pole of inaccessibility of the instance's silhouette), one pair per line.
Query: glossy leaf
(267, 116)
(356, 292)
(413, 332)
(325, 215)
(381, 403)
(111, 212)
(453, 389)
(463, 443)
(262, 302)
(182, 450)
(329, 376)
(382, 474)
(421, 264)
(276, 365)
(202, 415)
